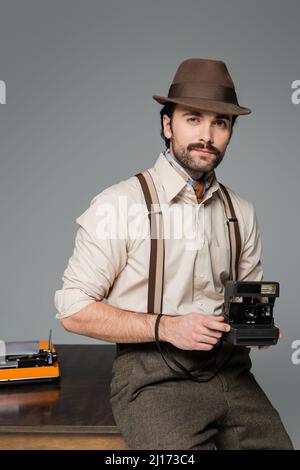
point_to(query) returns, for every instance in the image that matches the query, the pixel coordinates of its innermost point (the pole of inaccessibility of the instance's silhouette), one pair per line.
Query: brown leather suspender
(157, 251)
(234, 233)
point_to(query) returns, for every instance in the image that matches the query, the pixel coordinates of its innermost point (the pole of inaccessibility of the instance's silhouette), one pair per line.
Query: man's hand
(193, 330)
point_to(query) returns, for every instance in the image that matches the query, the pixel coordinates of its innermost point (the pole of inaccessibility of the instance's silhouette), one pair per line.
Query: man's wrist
(164, 327)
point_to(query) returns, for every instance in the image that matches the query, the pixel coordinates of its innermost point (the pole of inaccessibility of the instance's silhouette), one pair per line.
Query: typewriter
(28, 362)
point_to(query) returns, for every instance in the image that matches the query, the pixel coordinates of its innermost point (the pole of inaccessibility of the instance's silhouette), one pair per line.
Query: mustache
(210, 148)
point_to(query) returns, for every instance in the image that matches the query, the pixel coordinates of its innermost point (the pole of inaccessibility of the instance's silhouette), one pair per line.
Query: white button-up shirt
(111, 256)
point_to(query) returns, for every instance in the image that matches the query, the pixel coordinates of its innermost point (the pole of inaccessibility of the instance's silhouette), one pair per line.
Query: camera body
(248, 309)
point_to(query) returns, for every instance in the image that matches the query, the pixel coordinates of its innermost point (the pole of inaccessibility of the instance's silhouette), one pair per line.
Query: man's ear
(167, 126)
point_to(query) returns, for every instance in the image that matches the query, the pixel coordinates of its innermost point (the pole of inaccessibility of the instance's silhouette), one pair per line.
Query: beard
(196, 163)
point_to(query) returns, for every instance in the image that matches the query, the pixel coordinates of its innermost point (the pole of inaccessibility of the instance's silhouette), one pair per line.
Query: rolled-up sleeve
(94, 265)
(250, 266)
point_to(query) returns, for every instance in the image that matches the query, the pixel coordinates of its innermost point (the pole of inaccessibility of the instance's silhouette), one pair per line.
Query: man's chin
(206, 167)
(203, 168)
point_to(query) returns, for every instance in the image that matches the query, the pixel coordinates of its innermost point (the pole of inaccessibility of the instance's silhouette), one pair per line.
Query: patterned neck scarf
(200, 185)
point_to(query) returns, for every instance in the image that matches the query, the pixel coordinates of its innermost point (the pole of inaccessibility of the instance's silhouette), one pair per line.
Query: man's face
(191, 132)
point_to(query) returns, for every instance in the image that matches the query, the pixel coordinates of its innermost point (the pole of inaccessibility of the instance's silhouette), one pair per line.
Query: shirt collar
(179, 167)
(172, 181)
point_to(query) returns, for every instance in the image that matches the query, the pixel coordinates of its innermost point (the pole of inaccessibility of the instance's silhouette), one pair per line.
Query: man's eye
(221, 123)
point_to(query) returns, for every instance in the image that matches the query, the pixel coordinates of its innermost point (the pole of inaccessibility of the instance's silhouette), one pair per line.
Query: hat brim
(205, 105)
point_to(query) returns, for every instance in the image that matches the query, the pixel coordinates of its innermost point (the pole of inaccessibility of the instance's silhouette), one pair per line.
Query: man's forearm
(105, 322)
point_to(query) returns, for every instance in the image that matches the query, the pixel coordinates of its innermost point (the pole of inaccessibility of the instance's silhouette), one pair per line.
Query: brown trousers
(156, 409)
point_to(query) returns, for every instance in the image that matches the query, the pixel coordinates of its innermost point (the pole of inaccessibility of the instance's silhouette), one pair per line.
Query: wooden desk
(73, 414)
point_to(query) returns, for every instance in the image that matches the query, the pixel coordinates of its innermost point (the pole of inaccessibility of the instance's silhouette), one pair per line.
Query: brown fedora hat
(204, 84)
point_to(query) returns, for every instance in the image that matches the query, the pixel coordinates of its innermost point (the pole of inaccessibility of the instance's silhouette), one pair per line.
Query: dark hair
(169, 109)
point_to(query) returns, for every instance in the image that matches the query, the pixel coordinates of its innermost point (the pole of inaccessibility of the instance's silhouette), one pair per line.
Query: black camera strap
(183, 372)
(156, 267)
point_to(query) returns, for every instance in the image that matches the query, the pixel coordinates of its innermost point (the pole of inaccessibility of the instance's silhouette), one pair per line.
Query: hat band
(203, 90)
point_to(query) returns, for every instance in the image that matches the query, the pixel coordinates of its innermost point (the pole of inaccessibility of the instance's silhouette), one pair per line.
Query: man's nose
(206, 133)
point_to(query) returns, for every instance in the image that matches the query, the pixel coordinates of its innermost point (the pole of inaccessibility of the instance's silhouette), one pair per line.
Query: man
(218, 403)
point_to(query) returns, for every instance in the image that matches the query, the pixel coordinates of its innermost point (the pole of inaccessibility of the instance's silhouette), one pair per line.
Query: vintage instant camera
(248, 308)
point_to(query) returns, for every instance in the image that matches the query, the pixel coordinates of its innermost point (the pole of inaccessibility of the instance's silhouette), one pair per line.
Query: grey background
(79, 117)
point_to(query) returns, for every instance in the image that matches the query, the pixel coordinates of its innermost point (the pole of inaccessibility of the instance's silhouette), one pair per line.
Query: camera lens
(250, 313)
